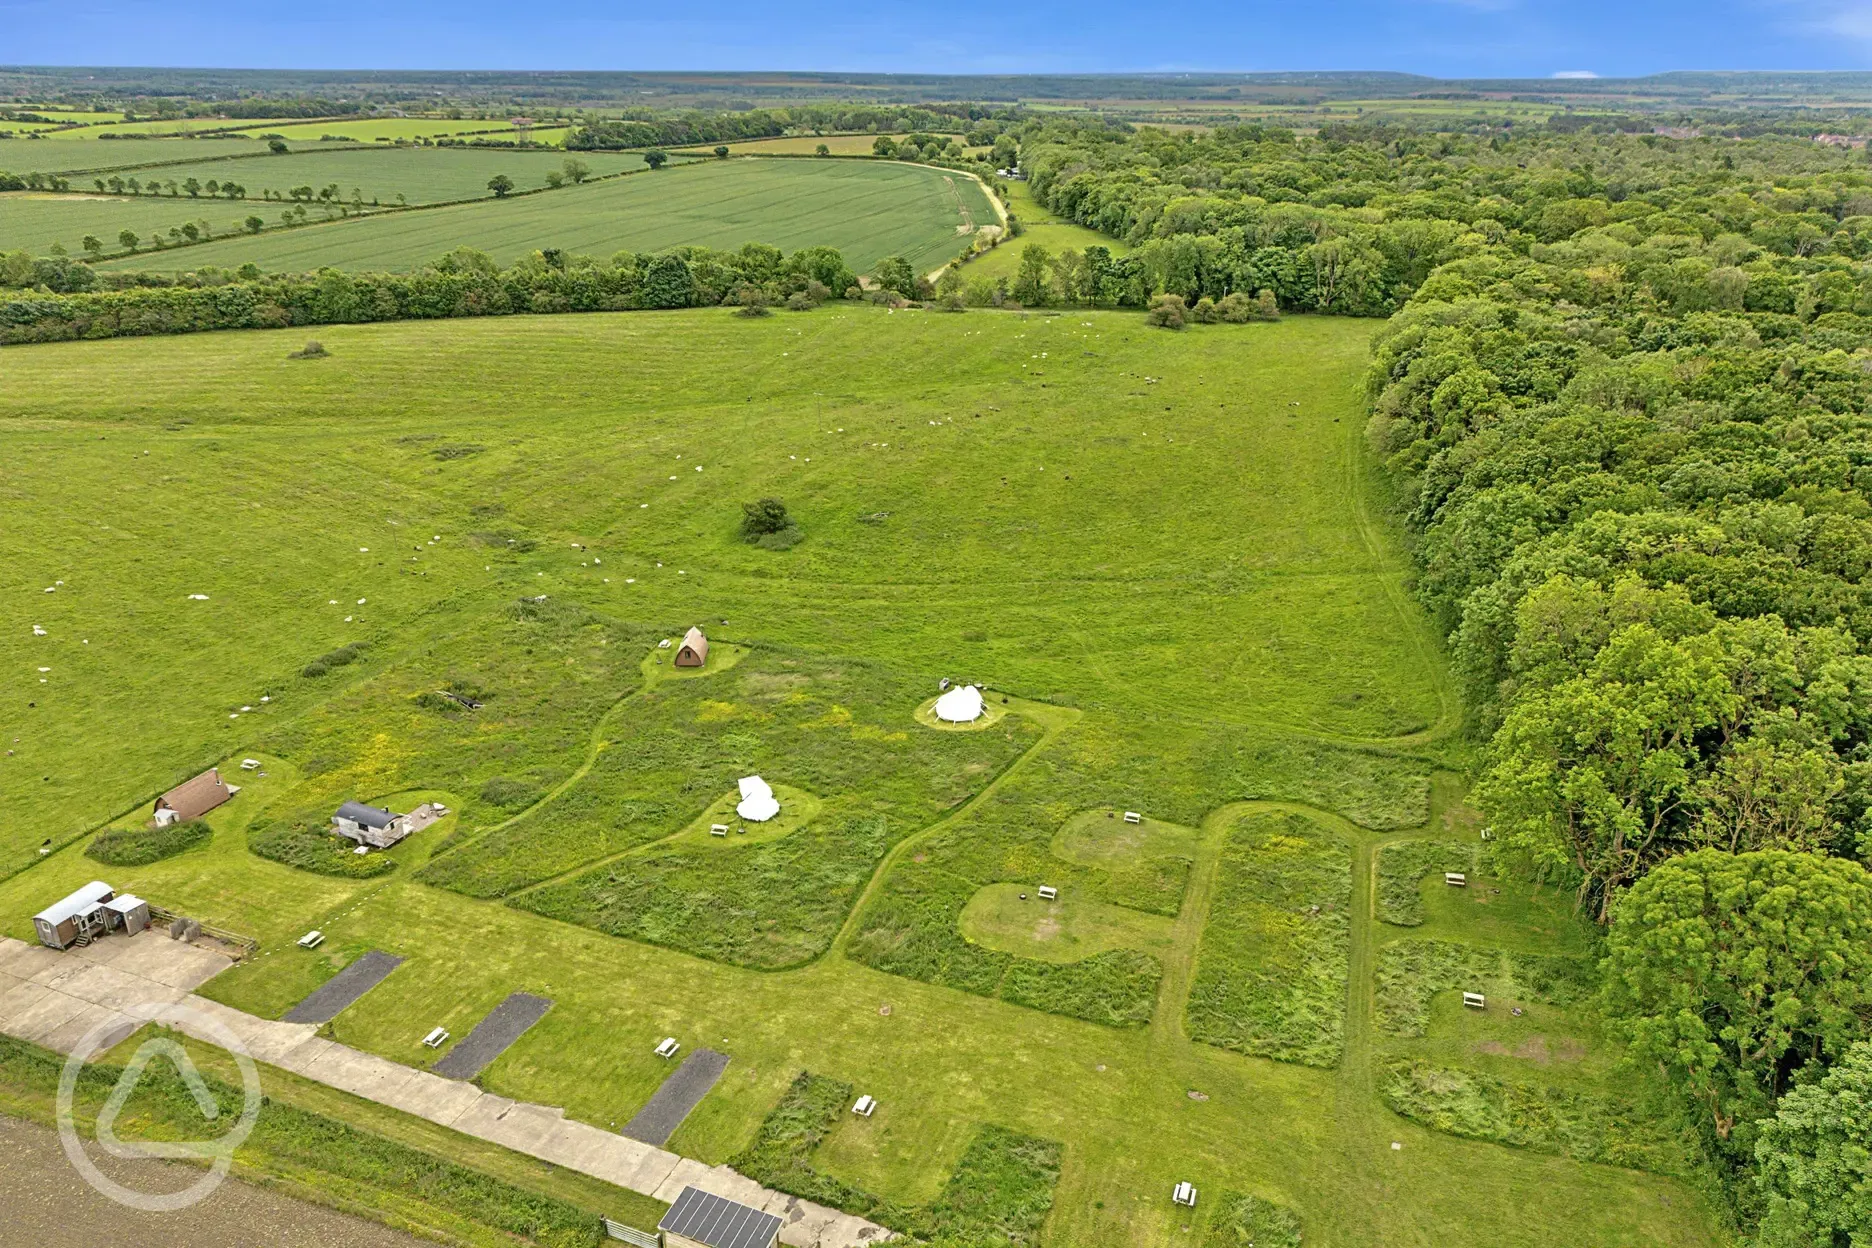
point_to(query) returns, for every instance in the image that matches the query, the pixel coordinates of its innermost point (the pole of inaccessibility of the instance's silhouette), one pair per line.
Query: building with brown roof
(192, 799)
(694, 649)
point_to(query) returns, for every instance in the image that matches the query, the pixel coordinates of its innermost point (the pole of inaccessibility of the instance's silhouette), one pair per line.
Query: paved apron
(52, 999)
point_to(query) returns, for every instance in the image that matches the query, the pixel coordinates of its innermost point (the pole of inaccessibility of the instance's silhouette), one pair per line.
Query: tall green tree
(1732, 971)
(1814, 1160)
(656, 158)
(501, 185)
(1030, 282)
(1594, 778)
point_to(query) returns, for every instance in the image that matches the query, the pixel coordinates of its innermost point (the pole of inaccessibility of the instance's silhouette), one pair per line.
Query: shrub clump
(767, 525)
(1168, 312)
(308, 843)
(348, 653)
(136, 847)
(314, 350)
(509, 793)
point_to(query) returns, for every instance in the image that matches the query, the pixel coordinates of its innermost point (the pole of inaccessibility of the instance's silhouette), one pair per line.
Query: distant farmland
(866, 209)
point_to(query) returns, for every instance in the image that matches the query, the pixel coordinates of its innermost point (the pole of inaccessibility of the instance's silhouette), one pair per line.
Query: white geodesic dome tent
(758, 803)
(961, 705)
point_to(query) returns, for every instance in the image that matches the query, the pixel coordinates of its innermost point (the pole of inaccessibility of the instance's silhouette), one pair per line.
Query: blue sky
(1519, 38)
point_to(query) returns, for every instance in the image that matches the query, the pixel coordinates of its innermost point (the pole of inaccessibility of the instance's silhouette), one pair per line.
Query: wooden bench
(435, 1038)
(1048, 892)
(1184, 1194)
(718, 829)
(1475, 1000)
(668, 1048)
(1456, 879)
(866, 1106)
(312, 940)
(1132, 816)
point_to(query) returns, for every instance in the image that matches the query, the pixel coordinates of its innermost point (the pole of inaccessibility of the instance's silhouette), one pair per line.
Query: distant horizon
(1443, 39)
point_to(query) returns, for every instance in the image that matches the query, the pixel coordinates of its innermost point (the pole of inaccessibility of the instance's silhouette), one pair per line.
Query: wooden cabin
(694, 649)
(192, 799)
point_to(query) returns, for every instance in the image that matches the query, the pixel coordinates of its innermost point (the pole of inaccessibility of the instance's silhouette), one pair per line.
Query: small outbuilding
(127, 913)
(76, 919)
(372, 827)
(694, 649)
(702, 1219)
(758, 803)
(192, 799)
(961, 705)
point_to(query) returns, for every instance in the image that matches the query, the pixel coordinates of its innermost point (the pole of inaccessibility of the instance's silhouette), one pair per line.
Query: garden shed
(702, 1219)
(74, 919)
(694, 649)
(192, 799)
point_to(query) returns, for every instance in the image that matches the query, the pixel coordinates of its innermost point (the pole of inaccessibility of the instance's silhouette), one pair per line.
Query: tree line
(462, 283)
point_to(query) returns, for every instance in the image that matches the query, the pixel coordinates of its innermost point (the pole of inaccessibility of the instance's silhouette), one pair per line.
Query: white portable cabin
(81, 914)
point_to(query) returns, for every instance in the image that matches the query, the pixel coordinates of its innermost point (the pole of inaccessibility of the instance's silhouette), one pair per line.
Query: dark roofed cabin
(694, 650)
(369, 825)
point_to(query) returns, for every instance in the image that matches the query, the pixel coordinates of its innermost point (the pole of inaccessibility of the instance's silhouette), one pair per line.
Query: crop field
(422, 175)
(867, 209)
(45, 156)
(1180, 590)
(35, 221)
(1038, 226)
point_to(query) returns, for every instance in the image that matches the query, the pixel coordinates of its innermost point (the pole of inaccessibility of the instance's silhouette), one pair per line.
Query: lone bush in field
(313, 350)
(766, 524)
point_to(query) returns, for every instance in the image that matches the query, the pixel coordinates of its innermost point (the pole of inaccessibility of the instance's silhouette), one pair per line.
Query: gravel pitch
(506, 1023)
(330, 999)
(680, 1093)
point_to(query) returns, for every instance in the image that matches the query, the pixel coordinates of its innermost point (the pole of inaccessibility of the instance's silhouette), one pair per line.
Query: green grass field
(1037, 226)
(867, 209)
(1180, 587)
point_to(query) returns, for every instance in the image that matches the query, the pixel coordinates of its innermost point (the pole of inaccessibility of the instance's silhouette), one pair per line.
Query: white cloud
(1575, 73)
